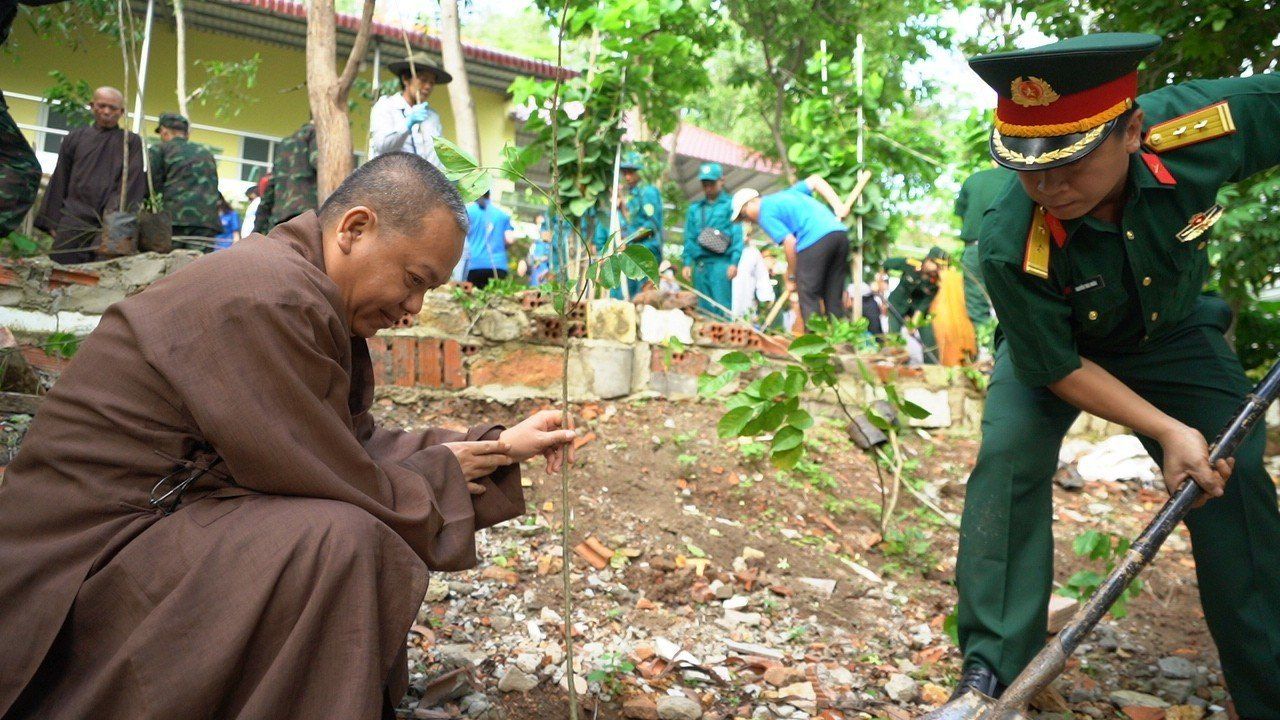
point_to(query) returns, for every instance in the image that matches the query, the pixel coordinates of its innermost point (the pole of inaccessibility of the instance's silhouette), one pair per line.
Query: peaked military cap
(173, 121)
(938, 254)
(631, 161)
(1058, 102)
(710, 171)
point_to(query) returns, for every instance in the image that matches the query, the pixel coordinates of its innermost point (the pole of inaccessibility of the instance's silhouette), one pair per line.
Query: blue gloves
(418, 114)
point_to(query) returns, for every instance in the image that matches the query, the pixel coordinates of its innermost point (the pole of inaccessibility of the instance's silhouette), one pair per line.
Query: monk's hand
(479, 459)
(544, 433)
(732, 272)
(1186, 455)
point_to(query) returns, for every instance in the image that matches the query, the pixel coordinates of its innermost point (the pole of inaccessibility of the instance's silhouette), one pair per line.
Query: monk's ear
(1133, 132)
(356, 224)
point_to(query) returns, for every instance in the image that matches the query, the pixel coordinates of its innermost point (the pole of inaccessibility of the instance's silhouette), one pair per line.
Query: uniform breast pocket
(1097, 306)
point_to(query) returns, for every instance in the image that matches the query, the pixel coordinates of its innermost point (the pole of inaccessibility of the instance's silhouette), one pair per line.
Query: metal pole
(142, 68)
(858, 237)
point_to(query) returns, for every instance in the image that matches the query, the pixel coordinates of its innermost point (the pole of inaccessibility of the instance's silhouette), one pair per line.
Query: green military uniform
(977, 193)
(711, 269)
(1128, 297)
(914, 294)
(185, 175)
(644, 210)
(292, 188)
(19, 169)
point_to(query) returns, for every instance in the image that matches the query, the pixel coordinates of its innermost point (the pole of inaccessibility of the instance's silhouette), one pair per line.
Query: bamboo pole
(856, 270)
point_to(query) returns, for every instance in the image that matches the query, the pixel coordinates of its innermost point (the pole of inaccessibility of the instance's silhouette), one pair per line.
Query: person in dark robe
(85, 186)
(204, 520)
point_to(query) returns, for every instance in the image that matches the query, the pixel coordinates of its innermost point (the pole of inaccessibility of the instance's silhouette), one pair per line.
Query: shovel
(1051, 660)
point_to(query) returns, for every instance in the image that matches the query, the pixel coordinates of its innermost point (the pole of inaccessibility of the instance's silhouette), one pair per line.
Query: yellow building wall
(275, 106)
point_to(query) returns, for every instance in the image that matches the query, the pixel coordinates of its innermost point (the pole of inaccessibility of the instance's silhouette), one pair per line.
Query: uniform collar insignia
(1158, 169)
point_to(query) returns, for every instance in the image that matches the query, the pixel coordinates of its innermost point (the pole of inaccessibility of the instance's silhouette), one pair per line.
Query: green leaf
(808, 345)
(796, 380)
(879, 421)
(643, 257)
(579, 206)
(735, 361)
(786, 438)
(773, 416)
(866, 373)
(772, 385)
(914, 410)
(800, 418)
(709, 385)
(695, 551)
(607, 272)
(62, 344)
(951, 626)
(733, 422)
(787, 459)
(473, 184)
(456, 161)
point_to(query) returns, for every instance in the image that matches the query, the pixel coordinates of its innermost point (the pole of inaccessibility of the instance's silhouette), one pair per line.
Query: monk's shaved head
(107, 107)
(401, 188)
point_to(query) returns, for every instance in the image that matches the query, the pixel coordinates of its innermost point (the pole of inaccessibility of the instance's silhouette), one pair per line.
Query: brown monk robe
(285, 581)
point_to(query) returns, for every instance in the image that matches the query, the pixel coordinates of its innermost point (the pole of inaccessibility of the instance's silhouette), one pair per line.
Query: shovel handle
(1175, 509)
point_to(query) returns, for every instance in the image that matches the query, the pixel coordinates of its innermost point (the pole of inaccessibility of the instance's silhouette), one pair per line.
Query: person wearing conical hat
(405, 121)
(1095, 261)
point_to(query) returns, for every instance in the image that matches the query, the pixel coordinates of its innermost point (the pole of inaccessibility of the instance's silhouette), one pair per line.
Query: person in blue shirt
(814, 239)
(712, 243)
(641, 207)
(230, 220)
(487, 240)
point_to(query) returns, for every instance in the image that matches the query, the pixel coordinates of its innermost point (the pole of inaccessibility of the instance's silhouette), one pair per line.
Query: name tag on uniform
(1199, 223)
(1093, 283)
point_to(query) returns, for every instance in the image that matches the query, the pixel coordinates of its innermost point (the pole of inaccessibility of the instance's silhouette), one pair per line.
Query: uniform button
(1155, 317)
(1146, 281)
(1200, 246)
(1093, 314)
(1128, 234)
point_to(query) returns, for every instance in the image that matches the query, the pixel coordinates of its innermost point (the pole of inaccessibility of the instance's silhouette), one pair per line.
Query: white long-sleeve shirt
(389, 130)
(752, 284)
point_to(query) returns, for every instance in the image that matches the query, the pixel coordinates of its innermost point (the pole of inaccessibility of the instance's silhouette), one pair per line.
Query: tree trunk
(774, 121)
(464, 108)
(180, 27)
(327, 92)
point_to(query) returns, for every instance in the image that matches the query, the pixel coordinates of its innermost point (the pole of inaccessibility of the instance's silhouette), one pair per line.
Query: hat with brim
(173, 121)
(631, 161)
(1058, 102)
(740, 199)
(710, 172)
(938, 255)
(422, 63)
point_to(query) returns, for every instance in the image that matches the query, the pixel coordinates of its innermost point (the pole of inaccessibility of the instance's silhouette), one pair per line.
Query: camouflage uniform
(186, 176)
(19, 173)
(293, 178)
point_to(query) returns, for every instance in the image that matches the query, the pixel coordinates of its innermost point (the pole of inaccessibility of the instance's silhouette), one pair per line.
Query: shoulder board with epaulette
(1204, 124)
(914, 263)
(1036, 259)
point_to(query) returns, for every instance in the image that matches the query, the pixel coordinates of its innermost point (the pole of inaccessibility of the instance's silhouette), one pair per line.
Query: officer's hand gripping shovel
(1051, 661)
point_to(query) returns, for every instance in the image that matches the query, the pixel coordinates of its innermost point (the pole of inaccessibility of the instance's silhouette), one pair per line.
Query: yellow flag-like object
(951, 325)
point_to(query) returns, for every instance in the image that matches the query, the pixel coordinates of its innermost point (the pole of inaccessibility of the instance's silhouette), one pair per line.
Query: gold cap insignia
(1032, 92)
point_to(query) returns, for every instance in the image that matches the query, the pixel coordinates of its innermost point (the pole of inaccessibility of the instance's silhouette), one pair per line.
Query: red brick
(455, 375)
(394, 360)
(430, 363)
(62, 278)
(380, 354)
(535, 367)
(688, 362)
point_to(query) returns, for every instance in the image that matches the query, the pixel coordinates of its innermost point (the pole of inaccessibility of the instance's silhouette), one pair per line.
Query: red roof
(694, 142)
(530, 66)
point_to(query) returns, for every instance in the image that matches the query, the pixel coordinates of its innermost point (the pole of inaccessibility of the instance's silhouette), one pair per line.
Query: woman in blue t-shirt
(230, 224)
(814, 239)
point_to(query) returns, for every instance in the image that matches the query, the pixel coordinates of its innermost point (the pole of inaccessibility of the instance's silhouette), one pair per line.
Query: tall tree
(328, 91)
(464, 108)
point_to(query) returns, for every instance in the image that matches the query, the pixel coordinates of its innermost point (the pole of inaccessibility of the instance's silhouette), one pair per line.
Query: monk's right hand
(480, 458)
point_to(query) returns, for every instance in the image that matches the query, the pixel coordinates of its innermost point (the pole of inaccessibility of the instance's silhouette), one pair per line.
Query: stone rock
(781, 675)
(733, 618)
(736, 602)
(720, 590)
(665, 649)
(610, 319)
(935, 401)
(901, 688)
(1130, 698)
(501, 323)
(579, 683)
(1184, 712)
(477, 705)
(1119, 457)
(658, 326)
(437, 590)
(1178, 668)
(933, 694)
(822, 587)
(678, 707)
(1061, 609)
(611, 367)
(442, 315)
(799, 694)
(1142, 712)
(528, 662)
(640, 707)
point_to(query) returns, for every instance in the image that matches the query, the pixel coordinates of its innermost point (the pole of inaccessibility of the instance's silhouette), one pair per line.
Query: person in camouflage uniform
(185, 175)
(292, 188)
(19, 169)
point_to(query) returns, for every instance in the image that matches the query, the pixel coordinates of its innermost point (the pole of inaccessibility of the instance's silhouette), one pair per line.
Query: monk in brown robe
(85, 185)
(279, 582)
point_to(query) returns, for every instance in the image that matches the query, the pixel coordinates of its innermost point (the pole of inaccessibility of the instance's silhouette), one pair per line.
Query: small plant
(20, 245)
(1106, 548)
(62, 344)
(686, 460)
(911, 547)
(613, 667)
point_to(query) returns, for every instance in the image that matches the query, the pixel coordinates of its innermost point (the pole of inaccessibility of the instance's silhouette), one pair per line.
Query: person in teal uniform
(1095, 260)
(641, 207)
(712, 244)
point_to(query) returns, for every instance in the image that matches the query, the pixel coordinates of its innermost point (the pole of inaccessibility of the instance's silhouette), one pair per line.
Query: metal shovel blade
(972, 705)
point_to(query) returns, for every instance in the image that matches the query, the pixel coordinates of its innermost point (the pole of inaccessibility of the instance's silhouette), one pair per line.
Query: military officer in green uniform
(911, 299)
(292, 188)
(641, 207)
(19, 169)
(185, 175)
(712, 244)
(977, 193)
(1095, 261)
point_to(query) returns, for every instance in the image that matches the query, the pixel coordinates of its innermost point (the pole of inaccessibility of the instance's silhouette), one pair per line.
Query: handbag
(711, 239)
